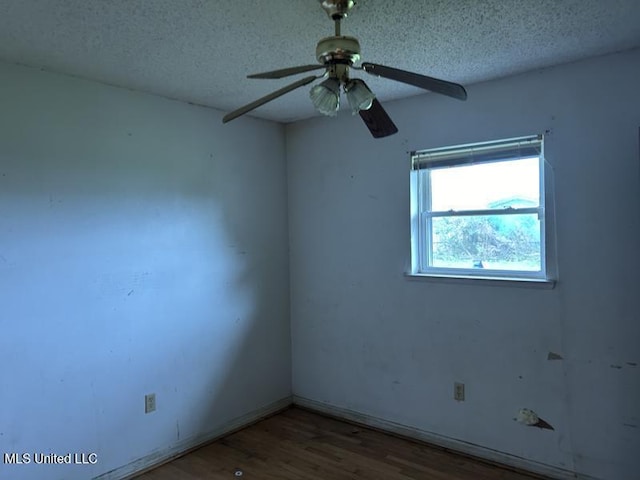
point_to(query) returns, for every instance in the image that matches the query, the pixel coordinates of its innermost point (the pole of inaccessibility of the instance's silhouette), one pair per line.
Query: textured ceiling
(201, 50)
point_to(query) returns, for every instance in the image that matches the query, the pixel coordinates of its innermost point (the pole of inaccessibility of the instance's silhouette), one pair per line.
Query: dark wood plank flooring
(300, 445)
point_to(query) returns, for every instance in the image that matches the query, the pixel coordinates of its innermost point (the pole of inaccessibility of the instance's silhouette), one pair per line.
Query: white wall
(143, 248)
(369, 340)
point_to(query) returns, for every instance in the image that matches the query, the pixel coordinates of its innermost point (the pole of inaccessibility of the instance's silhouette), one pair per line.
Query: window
(479, 210)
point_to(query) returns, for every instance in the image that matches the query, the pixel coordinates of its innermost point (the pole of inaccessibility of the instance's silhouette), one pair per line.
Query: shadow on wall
(144, 250)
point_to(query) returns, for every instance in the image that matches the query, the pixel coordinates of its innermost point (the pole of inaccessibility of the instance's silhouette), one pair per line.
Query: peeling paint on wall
(554, 356)
(530, 418)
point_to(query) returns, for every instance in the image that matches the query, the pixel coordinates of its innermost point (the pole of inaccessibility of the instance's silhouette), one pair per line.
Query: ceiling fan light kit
(336, 55)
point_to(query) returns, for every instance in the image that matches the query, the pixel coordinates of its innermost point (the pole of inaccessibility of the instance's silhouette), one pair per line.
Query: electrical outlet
(458, 391)
(150, 403)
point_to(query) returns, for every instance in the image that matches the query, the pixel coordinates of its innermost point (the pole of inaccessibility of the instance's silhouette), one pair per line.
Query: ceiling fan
(337, 54)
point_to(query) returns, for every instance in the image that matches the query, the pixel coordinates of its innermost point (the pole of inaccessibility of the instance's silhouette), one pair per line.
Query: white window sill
(546, 284)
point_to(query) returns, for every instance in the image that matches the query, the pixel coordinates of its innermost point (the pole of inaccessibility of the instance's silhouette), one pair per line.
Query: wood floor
(301, 445)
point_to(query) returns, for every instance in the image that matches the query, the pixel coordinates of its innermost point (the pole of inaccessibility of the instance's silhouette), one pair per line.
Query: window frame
(422, 214)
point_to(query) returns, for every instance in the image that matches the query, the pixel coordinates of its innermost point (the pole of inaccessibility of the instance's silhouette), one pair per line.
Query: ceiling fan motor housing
(331, 50)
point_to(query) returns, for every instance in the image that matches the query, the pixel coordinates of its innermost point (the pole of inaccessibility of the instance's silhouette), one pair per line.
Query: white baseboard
(439, 440)
(160, 457)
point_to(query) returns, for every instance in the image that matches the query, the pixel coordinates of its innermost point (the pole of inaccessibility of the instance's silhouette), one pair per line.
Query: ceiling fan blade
(267, 98)
(422, 81)
(285, 72)
(377, 120)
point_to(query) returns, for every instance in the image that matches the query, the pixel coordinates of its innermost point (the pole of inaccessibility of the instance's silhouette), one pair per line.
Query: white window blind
(512, 149)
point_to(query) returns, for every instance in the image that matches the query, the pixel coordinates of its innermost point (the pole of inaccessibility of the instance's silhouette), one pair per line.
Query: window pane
(492, 242)
(486, 186)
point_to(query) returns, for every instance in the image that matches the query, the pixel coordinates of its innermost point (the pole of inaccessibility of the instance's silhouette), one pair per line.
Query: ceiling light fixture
(336, 55)
(360, 97)
(326, 96)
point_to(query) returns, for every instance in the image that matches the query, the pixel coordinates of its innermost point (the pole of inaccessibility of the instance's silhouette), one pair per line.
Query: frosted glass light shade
(326, 97)
(359, 95)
